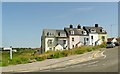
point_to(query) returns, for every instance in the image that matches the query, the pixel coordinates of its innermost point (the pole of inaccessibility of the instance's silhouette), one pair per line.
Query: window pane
(72, 39)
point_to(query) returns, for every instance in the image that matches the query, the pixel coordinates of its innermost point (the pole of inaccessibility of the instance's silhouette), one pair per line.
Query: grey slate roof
(49, 32)
(54, 33)
(76, 31)
(61, 33)
(97, 29)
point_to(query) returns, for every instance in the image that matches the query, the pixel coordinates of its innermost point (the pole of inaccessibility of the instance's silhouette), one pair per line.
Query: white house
(93, 38)
(53, 39)
(95, 34)
(76, 36)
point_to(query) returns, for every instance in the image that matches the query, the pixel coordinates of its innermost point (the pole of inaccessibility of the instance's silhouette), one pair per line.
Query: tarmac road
(107, 63)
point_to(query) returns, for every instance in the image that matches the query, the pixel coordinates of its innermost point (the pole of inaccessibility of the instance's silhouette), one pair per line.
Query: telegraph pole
(111, 29)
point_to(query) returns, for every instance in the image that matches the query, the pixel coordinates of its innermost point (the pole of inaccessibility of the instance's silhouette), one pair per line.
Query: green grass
(23, 56)
(20, 57)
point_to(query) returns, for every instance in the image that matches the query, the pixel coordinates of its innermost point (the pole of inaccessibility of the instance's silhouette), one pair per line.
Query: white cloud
(82, 9)
(74, 11)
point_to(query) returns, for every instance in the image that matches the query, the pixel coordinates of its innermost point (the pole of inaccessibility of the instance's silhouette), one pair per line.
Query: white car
(110, 45)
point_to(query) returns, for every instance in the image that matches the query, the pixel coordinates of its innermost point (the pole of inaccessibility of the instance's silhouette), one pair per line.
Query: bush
(96, 47)
(78, 51)
(89, 49)
(65, 53)
(56, 55)
(103, 45)
(4, 64)
(24, 60)
(18, 60)
(39, 58)
(23, 55)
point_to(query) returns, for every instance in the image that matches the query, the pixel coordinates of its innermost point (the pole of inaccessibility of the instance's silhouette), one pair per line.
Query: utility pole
(111, 29)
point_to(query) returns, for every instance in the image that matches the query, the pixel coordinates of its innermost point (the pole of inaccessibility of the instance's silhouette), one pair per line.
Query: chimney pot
(96, 25)
(71, 26)
(79, 27)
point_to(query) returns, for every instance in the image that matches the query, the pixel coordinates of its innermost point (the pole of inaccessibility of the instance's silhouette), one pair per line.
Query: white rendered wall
(95, 38)
(76, 40)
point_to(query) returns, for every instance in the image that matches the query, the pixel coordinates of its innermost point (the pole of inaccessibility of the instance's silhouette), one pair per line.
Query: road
(108, 63)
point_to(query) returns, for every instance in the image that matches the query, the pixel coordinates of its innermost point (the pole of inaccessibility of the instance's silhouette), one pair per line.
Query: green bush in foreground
(103, 45)
(39, 59)
(19, 60)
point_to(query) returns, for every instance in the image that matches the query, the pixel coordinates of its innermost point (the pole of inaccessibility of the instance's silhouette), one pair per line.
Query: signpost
(10, 49)
(11, 52)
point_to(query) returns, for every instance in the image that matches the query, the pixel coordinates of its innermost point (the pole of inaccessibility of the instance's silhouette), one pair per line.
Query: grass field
(25, 55)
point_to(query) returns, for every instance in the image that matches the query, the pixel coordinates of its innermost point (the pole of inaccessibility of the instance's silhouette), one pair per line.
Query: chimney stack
(96, 25)
(79, 27)
(71, 26)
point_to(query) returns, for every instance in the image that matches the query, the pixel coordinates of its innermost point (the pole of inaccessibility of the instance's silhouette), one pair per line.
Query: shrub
(13, 62)
(56, 55)
(103, 45)
(65, 53)
(89, 49)
(23, 55)
(96, 47)
(24, 60)
(39, 58)
(78, 51)
(81, 50)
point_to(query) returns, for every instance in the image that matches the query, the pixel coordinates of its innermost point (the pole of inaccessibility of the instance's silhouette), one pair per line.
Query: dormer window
(50, 34)
(47, 33)
(101, 30)
(85, 32)
(82, 32)
(59, 34)
(93, 30)
(89, 30)
(71, 32)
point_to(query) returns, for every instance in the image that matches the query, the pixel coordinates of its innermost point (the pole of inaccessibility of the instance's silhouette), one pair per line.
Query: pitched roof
(54, 33)
(61, 33)
(118, 39)
(97, 29)
(49, 32)
(110, 39)
(76, 31)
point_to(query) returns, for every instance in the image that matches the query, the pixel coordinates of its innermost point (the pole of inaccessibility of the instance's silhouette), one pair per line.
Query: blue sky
(23, 22)
(0, 24)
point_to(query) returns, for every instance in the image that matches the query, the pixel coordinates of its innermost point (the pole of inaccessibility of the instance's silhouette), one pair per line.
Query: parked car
(117, 44)
(110, 45)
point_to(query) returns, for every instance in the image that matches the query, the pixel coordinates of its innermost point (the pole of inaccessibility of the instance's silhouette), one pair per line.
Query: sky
(23, 22)
(0, 24)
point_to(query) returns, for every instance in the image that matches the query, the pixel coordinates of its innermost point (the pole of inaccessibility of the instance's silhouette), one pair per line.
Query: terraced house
(71, 37)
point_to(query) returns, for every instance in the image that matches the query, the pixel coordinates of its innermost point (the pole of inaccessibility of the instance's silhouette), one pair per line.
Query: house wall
(100, 37)
(83, 41)
(114, 40)
(42, 44)
(60, 41)
(46, 44)
(59, 47)
(73, 43)
(95, 38)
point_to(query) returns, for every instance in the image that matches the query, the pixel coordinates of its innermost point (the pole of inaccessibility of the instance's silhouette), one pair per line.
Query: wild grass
(23, 56)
